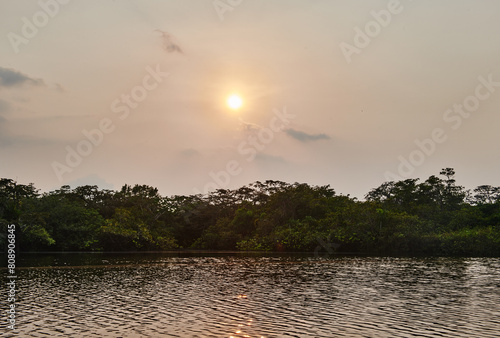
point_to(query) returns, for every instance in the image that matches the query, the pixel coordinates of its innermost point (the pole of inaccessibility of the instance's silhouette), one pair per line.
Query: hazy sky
(346, 93)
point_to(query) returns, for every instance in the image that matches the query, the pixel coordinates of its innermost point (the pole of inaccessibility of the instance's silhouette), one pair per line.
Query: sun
(234, 102)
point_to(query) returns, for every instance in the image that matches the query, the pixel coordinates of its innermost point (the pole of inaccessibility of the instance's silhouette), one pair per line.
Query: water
(234, 295)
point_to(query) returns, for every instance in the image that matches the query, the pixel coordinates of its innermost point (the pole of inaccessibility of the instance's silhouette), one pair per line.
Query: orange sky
(344, 93)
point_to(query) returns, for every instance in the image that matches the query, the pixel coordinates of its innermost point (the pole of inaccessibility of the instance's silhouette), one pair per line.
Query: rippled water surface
(224, 295)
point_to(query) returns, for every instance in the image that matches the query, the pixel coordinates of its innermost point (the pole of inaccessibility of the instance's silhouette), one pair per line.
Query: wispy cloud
(305, 137)
(170, 44)
(270, 158)
(59, 88)
(11, 78)
(248, 126)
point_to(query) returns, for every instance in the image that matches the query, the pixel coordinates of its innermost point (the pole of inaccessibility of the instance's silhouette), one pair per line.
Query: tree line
(407, 217)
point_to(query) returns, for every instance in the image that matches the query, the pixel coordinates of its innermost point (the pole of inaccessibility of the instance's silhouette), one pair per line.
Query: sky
(334, 92)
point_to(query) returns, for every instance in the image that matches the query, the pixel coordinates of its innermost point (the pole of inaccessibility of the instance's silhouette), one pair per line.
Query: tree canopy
(433, 217)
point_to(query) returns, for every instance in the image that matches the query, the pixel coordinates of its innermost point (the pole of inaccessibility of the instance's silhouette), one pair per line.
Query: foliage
(412, 217)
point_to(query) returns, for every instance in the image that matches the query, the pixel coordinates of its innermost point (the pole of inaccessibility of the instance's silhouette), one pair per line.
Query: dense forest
(408, 217)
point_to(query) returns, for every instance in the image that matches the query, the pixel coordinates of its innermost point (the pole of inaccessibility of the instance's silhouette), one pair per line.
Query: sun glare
(234, 101)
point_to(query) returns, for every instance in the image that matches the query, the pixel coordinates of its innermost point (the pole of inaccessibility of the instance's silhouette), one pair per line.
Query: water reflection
(260, 296)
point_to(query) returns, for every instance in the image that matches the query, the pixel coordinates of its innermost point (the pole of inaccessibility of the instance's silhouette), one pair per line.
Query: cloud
(170, 43)
(11, 78)
(59, 88)
(305, 137)
(248, 126)
(270, 158)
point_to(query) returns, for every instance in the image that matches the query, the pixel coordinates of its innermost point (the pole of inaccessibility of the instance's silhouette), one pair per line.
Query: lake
(254, 295)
